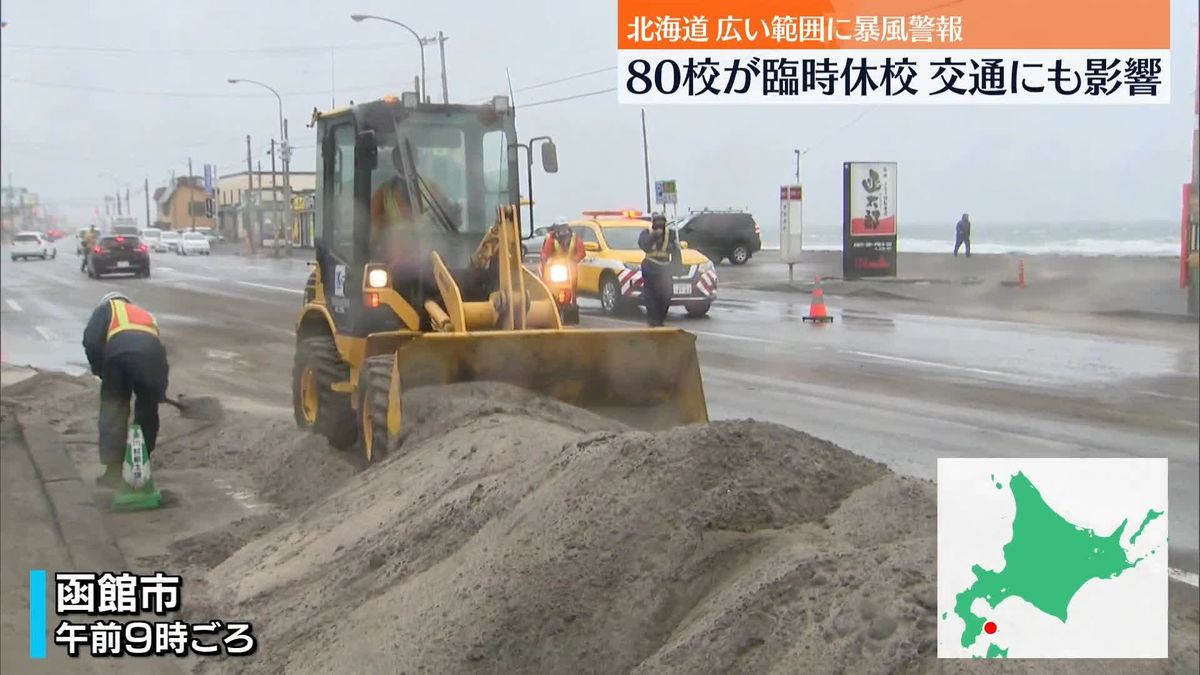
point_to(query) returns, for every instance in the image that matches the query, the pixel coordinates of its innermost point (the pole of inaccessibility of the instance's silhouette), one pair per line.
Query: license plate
(123, 263)
(683, 289)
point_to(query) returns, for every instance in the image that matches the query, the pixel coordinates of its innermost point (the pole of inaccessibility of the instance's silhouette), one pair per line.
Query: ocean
(1157, 238)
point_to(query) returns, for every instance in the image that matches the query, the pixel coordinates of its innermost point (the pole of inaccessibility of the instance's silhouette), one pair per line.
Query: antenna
(511, 97)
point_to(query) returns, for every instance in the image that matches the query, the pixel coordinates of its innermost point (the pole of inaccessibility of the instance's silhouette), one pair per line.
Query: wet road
(899, 387)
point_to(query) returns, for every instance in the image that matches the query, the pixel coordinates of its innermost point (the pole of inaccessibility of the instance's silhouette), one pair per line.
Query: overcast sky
(134, 88)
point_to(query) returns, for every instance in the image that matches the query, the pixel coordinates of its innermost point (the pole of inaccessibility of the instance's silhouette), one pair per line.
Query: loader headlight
(377, 278)
(559, 274)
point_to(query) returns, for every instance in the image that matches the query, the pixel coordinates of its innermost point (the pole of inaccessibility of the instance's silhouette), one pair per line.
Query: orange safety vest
(126, 316)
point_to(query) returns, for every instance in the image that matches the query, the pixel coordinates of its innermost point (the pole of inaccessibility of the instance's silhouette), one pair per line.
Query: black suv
(722, 234)
(118, 254)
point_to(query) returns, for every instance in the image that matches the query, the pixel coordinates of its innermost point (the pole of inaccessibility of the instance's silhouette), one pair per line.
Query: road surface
(893, 385)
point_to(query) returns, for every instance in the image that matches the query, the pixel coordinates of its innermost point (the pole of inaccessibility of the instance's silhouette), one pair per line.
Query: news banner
(117, 614)
(808, 51)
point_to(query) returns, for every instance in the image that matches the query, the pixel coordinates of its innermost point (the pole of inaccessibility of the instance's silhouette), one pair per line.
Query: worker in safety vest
(661, 246)
(89, 240)
(562, 244)
(124, 350)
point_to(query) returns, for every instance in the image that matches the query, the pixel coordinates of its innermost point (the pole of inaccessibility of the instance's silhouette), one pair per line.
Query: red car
(118, 254)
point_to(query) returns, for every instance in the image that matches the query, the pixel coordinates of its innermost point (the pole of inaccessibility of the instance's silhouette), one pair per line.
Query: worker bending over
(661, 246)
(123, 349)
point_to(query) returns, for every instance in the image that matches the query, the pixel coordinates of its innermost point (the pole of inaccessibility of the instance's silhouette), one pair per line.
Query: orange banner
(893, 24)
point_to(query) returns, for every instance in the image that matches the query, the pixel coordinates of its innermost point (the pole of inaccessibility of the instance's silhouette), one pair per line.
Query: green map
(1046, 563)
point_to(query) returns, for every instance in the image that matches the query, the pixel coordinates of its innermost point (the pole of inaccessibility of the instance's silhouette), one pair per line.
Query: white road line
(726, 336)
(299, 291)
(14, 305)
(221, 354)
(164, 269)
(1188, 578)
(46, 333)
(1155, 394)
(919, 362)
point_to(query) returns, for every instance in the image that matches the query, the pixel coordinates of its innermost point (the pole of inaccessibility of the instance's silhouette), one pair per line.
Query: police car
(612, 270)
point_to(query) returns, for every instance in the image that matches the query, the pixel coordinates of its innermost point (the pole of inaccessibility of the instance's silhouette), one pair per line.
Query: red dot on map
(989, 627)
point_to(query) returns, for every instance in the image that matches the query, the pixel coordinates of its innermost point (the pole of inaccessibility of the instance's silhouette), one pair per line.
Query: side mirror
(549, 157)
(591, 246)
(366, 151)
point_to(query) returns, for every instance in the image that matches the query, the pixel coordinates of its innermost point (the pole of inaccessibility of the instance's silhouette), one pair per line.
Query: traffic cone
(137, 491)
(816, 311)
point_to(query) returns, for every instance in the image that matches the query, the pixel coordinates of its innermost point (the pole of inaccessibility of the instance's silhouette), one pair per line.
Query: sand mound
(511, 536)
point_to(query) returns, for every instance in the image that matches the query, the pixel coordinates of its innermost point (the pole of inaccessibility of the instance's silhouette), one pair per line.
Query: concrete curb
(89, 544)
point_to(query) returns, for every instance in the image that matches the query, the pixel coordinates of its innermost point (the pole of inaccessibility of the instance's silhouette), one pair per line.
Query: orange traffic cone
(816, 311)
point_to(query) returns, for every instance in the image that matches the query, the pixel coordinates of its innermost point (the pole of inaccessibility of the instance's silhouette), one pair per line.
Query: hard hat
(561, 221)
(115, 295)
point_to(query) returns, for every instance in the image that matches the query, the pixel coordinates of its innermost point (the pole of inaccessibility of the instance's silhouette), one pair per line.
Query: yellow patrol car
(612, 270)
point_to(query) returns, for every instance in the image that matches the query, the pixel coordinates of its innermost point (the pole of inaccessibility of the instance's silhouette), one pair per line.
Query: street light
(116, 181)
(287, 150)
(359, 18)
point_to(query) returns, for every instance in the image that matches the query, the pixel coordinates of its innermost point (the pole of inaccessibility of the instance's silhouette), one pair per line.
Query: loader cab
(378, 159)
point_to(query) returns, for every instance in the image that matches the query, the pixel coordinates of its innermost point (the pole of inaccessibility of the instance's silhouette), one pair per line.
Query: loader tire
(317, 406)
(375, 379)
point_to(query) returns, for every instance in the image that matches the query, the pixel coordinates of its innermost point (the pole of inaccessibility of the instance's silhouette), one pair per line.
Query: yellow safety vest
(662, 253)
(391, 206)
(558, 247)
(126, 316)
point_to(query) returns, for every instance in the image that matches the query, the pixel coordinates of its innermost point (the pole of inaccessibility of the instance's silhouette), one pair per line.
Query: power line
(183, 94)
(568, 98)
(565, 79)
(205, 52)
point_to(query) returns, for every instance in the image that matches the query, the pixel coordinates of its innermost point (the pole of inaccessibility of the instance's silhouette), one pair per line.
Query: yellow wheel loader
(418, 281)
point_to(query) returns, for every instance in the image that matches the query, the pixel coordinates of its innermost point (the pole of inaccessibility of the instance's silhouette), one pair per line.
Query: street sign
(664, 192)
(791, 223)
(209, 179)
(210, 208)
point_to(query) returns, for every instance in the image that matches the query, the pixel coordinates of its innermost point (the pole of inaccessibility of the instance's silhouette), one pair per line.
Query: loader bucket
(647, 378)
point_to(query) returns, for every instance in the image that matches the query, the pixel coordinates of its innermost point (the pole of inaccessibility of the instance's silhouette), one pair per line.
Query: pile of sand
(518, 535)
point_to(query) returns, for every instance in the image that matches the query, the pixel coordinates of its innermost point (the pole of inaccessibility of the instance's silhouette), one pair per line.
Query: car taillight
(143, 249)
(97, 249)
(120, 240)
(757, 229)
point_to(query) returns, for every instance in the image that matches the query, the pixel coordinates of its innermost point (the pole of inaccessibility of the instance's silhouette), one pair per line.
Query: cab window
(339, 223)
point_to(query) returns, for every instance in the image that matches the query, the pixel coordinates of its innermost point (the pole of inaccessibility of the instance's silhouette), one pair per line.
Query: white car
(150, 237)
(167, 241)
(32, 245)
(193, 243)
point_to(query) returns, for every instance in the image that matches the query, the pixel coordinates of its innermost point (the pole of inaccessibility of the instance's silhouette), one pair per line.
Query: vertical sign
(791, 223)
(664, 192)
(869, 219)
(208, 179)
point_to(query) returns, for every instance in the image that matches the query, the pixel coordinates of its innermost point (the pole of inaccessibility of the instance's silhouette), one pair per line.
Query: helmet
(115, 295)
(561, 221)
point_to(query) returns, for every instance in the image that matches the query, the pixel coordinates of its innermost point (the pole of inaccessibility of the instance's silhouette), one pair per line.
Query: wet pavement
(882, 380)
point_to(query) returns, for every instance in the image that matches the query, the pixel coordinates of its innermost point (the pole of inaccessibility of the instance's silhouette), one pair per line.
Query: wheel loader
(439, 295)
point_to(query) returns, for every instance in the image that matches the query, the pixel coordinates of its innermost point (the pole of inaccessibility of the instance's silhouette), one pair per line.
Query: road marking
(1189, 578)
(726, 336)
(220, 354)
(164, 269)
(1147, 392)
(14, 305)
(46, 333)
(919, 362)
(273, 288)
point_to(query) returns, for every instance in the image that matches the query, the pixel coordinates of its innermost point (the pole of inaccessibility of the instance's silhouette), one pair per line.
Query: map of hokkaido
(1052, 558)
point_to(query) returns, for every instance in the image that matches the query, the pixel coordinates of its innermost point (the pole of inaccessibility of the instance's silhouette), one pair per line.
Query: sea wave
(1082, 247)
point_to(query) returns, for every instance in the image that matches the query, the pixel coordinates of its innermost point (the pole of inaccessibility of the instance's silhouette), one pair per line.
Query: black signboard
(869, 227)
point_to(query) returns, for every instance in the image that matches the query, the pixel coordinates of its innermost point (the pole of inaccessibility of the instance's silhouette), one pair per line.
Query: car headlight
(559, 274)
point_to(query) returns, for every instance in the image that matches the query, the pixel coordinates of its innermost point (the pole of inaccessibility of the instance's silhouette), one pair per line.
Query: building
(182, 205)
(254, 202)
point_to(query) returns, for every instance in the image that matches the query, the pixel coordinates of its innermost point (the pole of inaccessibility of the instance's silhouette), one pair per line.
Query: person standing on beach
(962, 235)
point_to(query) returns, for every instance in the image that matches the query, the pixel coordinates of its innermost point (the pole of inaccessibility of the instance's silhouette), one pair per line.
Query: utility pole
(128, 208)
(274, 193)
(258, 211)
(646, 159)
(287, 184)
(442, 51)
(146, 187)
(247, 201)
(191, 207)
